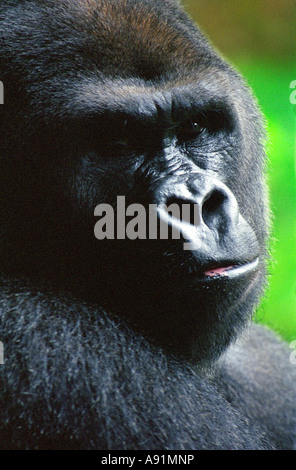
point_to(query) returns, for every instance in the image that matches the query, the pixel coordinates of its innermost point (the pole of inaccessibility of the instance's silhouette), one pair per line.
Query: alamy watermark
(293, 353)
(1, 93)
(293, 94)
(1, 353)
(162, 222)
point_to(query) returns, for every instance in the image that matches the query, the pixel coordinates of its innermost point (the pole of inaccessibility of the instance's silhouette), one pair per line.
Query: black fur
(121, 344)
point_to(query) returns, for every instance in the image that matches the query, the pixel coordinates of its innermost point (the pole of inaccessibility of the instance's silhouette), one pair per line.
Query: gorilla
(120, 343)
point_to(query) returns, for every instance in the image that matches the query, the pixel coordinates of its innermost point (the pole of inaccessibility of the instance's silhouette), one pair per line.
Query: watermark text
(1, 353)
(135, 221)
(1, 93)
(293, 94)
(293, 353)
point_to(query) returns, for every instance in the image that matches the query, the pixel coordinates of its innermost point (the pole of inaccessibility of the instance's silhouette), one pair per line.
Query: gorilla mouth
(232, 271)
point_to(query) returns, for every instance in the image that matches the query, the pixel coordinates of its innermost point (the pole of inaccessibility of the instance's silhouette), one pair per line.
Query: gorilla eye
(190, 129)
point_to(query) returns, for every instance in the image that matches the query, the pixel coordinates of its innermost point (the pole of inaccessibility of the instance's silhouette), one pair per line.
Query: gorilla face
(106, 104)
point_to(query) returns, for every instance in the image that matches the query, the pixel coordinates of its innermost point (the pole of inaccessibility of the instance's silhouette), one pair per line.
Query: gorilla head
(127, 98)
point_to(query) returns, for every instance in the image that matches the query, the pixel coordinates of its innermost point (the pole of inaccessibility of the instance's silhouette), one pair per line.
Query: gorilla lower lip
(232, 271)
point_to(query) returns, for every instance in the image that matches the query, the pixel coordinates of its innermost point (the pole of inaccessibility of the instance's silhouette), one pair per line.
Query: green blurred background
(258, 37)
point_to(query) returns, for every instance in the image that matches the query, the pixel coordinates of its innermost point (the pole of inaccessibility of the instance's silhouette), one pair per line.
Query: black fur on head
(78, 76)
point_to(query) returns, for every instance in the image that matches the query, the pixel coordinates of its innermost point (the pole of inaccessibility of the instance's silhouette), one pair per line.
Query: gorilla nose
(200, 201)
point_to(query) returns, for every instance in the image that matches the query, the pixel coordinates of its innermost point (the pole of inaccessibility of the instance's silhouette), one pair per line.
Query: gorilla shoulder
(258, 376)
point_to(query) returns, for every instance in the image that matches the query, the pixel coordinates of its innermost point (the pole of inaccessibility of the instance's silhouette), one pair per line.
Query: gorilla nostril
(212, 205)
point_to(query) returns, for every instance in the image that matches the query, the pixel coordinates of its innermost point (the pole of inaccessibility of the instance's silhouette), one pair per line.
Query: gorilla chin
(192, 310)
